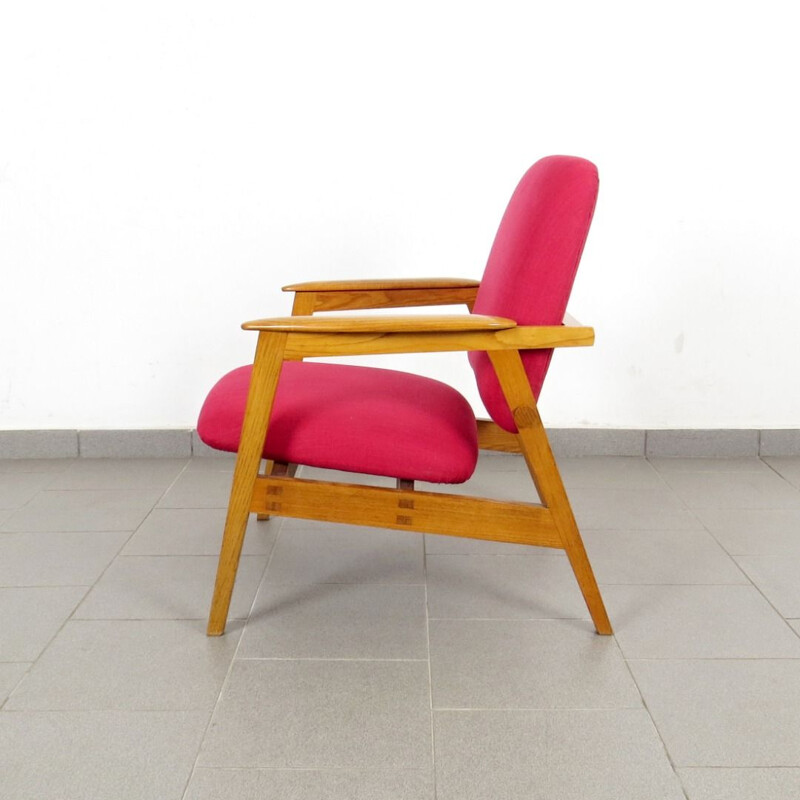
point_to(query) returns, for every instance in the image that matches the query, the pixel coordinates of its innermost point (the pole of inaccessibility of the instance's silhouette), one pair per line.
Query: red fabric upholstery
(357, 419)
(533, 262)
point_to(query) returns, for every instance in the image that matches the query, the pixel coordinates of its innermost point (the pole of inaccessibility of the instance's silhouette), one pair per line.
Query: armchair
(410, 428)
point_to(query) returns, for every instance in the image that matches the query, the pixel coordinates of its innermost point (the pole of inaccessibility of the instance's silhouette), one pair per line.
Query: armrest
(381, 293)
(310, 336)
(428, 323)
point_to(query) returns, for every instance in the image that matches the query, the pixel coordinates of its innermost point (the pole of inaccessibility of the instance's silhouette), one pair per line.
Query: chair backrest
(533, 262)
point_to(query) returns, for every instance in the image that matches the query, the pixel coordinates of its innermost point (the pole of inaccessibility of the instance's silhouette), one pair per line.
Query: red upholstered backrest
(533, 262)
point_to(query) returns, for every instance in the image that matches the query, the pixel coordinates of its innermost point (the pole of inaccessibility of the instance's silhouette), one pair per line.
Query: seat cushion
(357, 419)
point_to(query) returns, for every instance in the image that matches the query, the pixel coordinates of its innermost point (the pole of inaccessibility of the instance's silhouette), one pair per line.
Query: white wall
(166, 166)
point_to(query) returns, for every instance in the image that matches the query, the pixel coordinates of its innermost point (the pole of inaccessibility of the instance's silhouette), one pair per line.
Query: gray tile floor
(381, 665)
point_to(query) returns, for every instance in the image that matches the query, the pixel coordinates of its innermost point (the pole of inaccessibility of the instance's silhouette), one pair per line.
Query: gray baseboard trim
(780, 443)
(135, 444)
(566, 442)
(38, 444)
(702, 443)
(578, 442)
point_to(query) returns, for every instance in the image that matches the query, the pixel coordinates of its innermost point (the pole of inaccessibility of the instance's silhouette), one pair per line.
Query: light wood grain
(390, 298)
(371, 284)
(319, 344)
(492, 437)
(544, 472)
(403, 509)
(396, 323)
(275, 468)
(304, 304)
(263, 383)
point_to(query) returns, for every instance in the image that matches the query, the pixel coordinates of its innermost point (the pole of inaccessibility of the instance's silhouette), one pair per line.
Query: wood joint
(406, 503)
(403, 520)
(524, 416)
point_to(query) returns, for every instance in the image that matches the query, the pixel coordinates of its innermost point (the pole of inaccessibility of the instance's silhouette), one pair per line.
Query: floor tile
(337, 621)
(623, 513)
(659, 557)
(322, 714)
(98, 755)
(788, 467)
(317, 552)
(56, 559)
(662, 499)
(111, 510)
(339, 784)
(50, 465)
(697, 622)
(777, 578)
(542, 755)
(436, 544)
(503, 587)
(196, 532)
(729, 713)
(738, 490)
(127, 666)
(745, 464)
(740, 784)
(167, 587)
(196, 489)
(30, 618)
(10, 676)
(218, 463)
(607, 472)
(110, 473)
(16, 489)
(754, 532)
(527, 664)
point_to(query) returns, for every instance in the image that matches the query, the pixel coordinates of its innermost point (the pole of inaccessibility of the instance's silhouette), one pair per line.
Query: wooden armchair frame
(276, 491)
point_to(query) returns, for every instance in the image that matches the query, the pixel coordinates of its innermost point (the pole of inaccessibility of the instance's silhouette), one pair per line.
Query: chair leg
(547, 478)
(263, 383)
(542, 466)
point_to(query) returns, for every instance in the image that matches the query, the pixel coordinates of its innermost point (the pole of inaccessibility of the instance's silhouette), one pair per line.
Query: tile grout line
(234, 658)
(741, 569)
(430, 667)
(645, 706)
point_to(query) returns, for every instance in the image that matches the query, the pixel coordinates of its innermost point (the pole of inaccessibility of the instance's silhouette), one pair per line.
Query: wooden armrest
(429, 323)
(382, 284)
(310, 336)
(381, 293)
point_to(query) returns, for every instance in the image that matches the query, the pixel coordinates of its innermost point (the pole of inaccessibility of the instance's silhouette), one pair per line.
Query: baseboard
(566, 442)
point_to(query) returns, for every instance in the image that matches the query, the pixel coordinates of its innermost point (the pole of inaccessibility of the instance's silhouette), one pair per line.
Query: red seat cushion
(357, 419)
